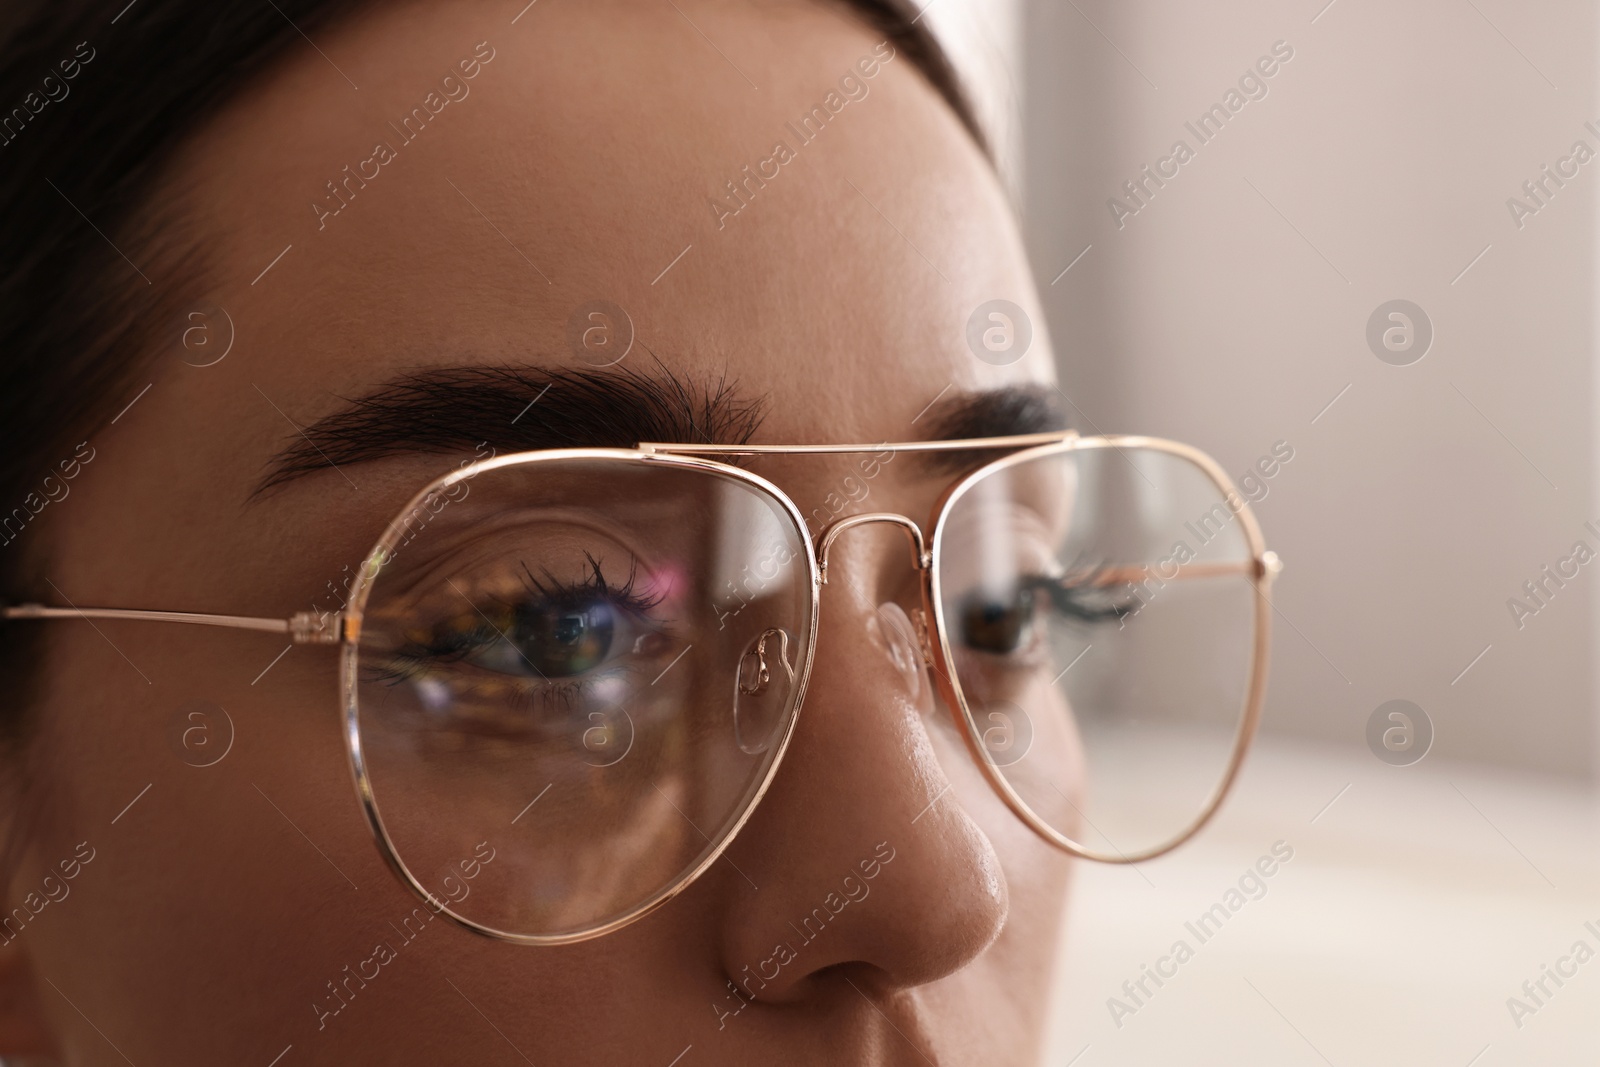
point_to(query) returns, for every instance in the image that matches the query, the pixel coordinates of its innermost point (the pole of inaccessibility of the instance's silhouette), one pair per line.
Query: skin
(206, 924)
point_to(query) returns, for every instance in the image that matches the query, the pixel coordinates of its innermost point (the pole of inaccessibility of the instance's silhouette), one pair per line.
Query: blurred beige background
(1231, 311)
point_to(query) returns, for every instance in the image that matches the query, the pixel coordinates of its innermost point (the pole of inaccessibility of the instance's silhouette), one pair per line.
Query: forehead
(766, 191)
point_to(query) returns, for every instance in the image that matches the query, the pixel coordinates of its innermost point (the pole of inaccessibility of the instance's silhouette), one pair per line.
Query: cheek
(1035, 872)
(1046, 764)
(245, 886)
(198, 877)
(1001, 991)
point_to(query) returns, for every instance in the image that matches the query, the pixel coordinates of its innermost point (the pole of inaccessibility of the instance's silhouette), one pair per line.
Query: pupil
(997, 626)
(569, 629)
(561, 642)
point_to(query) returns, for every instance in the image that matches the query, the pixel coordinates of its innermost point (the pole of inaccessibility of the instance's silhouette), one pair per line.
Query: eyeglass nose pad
(894, 628)
(762, 686)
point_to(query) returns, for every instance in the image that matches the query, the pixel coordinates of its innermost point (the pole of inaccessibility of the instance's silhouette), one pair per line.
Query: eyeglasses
(568, 677)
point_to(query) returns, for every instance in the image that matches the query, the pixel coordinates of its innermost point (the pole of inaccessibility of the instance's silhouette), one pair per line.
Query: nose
(866, 862)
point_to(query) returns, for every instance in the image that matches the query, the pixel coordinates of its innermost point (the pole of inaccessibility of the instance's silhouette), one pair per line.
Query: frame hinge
(316, 628)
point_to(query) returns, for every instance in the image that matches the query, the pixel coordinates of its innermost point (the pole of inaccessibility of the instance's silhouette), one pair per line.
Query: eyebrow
(1005, 412)
(522, 409)
(516, 409)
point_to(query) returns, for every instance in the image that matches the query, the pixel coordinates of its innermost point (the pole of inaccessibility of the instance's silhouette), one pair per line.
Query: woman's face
(576, 153)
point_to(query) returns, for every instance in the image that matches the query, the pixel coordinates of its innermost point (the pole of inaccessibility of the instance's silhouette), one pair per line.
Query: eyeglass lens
(582, 669)
(1099, 609)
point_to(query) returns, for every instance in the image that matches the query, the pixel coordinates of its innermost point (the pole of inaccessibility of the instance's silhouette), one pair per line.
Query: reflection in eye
(1003, 622)
(555, 645)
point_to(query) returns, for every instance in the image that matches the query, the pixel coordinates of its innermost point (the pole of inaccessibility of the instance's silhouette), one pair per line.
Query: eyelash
(1070, 599)
(566, 594)
(411, 662)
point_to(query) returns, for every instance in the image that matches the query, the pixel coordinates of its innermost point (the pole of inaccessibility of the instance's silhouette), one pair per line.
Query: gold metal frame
(344, 628)
(350, 655)
(1262, 567)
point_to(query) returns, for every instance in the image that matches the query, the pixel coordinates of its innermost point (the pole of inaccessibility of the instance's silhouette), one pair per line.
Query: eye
(1089, 596)
(520, 653)
(555, 640)
(998, 624)
(1003, 622)
(550, 630)
(533, 639)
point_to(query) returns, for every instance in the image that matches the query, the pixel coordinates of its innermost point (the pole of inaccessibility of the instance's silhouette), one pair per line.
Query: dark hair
(97, 97)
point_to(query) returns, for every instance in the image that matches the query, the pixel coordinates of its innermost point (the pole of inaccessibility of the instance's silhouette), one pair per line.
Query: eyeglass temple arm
(321, 628)
(1267, 567)
(303, 628)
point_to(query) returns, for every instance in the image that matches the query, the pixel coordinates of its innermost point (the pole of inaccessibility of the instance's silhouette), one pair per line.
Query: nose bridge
(913, 532)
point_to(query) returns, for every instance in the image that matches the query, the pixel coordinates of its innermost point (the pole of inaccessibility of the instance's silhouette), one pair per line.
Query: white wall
(1232, 308)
